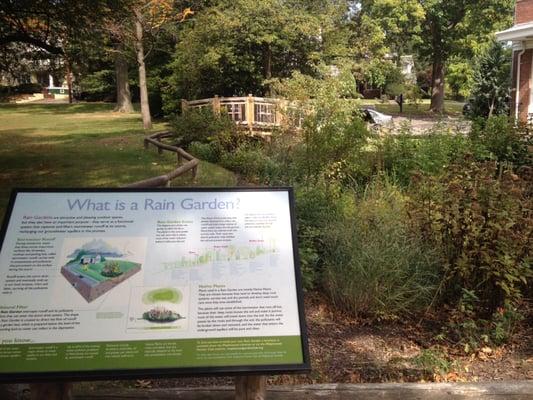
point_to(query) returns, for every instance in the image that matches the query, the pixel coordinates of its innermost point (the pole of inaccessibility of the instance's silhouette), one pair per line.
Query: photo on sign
(158, 308)
(95, 266)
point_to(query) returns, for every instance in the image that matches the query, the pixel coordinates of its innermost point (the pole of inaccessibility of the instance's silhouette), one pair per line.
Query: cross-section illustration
(97, 267)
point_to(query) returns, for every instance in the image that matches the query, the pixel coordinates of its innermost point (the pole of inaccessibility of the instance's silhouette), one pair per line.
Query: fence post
(251, 387)
(184, 105)
(250, 111)
(280, 109)
(216, 105)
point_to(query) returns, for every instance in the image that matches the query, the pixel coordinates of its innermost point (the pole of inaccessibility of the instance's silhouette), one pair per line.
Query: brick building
(521, 35)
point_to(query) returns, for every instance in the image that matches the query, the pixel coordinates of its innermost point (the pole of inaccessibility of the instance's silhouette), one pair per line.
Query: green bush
(199, 125)
(98, 86)
(251, 162)
(402, 155)
(205, 151)
(483, 224)
(374, 265)
(316, 207)
(506, 141)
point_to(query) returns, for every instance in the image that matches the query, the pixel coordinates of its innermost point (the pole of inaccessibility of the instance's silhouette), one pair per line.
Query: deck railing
(256, 113)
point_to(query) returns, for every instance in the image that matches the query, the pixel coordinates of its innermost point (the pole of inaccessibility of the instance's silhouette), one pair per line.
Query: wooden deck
(260, 115)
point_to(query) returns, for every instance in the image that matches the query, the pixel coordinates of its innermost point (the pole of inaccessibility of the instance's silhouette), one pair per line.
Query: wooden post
(280, 108)
(184, 105)
(251, 387)
(51, 391)
(250, 112)
(216, 105)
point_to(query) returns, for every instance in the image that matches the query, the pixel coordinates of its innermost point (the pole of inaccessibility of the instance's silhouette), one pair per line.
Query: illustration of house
(521, 35)
(90, 259)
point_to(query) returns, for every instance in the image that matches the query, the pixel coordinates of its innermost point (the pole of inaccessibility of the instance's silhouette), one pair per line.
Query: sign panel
(128, 282)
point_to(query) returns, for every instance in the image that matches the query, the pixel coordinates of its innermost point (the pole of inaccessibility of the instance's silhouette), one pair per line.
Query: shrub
(199, 125)
(205, 151)
(111, 269)
(492, 83)
(252, 163)
(402, 155)
(506, 141)
(373, 264)
(483, 223)
(316, 207)
(98, 86)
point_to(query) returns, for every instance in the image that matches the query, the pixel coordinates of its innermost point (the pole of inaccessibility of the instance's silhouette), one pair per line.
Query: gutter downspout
(519, 62)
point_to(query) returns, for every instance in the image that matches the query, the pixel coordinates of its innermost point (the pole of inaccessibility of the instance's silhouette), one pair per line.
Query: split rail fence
(189, 162)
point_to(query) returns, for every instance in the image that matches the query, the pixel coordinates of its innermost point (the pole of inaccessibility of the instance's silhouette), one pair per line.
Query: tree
(456, 27)
(53, 29)
(400, 21)
(137, 31)
(241, 46)
(122, 81)
(490, 95)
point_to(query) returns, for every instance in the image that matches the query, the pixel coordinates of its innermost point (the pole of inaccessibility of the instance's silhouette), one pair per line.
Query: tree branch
(22, 38)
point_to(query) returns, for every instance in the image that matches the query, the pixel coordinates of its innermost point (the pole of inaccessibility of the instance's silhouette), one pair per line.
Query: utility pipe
(519, 62)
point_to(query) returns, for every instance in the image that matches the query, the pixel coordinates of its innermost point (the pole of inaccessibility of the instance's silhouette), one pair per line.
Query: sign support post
(250, 387)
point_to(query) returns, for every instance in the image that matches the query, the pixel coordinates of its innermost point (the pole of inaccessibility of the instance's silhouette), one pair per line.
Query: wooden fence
(191, 163)
(254, 113)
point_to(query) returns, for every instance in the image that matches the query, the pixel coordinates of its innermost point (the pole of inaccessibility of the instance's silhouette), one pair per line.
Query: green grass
(82, 145)
(451, 108)
(95, 270)
(164, 294)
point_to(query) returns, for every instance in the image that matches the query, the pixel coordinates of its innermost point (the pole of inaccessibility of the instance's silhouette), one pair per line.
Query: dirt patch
(346, 350)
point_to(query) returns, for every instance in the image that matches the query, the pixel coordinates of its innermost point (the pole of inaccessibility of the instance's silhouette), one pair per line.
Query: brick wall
(523, 11)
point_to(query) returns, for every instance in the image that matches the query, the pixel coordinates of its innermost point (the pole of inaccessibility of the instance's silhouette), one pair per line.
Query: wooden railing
(191, 163)
(255, 113)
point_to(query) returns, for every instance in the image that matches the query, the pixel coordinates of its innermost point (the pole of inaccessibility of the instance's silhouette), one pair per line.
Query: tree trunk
(123, 87)
(145, 106)
(69, 81)
(267, 61)
(437, 89)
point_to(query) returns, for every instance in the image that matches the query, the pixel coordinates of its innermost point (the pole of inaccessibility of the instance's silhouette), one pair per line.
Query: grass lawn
(95, 270)
(451, 108)
(82, 145)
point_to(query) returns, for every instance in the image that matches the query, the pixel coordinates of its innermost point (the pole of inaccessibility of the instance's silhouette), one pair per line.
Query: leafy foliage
(483, 223)
(200, 125)
(490, 95)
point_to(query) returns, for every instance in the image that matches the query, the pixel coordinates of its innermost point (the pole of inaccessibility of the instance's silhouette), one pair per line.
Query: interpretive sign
(128, 282)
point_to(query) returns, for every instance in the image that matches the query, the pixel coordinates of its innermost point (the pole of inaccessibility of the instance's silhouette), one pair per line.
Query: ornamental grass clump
(374, 265)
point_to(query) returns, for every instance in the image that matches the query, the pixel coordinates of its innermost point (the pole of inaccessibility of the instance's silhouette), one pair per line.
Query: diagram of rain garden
(222, 254)
(97, 267)
(158, 308)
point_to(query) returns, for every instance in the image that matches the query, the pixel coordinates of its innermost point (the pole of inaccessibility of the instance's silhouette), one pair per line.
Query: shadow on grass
(57, 108)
